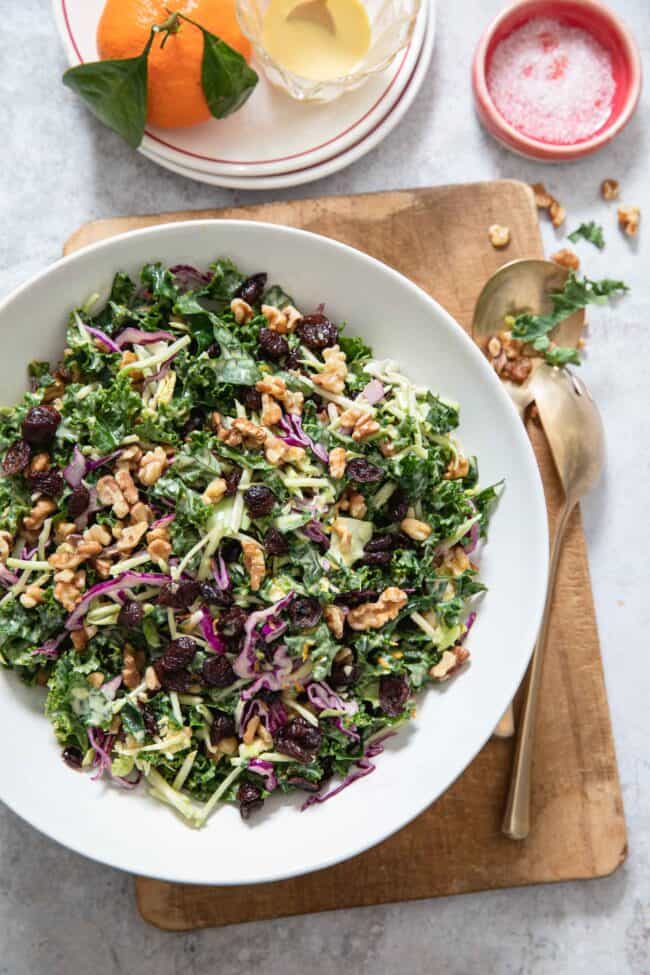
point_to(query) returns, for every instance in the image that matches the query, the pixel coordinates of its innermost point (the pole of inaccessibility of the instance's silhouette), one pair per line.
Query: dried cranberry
(213, 594)
(49, 483)
(178, 655)
(385, 545)
(180, 596)
(78, 501)
(393, 694)
(259, 500)
(130, 615)
(230, 549)
(299, 782)
(232, 622)
(343, 673)
(249, 798)
(299, 740)
(380, 543)
(362, 471)
(173, 680)
(150, 721)
(355, 597)
(317, 332)
(188, 592)
(40, 425)
(167, 596)
(232, 479)
(217, 672)
(72, 757)
(223, 726)
(252, 289)
(17, 457)
(376, 558)
(214, 350)
(305, 612)
(397, 505)
(275, 543)
(292, 361)
(272, 345)
(196, 421)
(252, 400)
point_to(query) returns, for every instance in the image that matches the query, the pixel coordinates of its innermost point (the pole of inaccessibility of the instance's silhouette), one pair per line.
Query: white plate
(273, 133)
(133, 832)
(338, 161)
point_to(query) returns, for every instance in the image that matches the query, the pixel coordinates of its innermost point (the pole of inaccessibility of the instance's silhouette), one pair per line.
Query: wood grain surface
(438, 238)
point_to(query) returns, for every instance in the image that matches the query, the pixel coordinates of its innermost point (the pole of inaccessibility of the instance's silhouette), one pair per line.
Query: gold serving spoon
(316, 12)
(524, 285)
(574, 432)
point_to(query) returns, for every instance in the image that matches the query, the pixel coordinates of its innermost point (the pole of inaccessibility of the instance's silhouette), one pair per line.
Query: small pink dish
(606, 28)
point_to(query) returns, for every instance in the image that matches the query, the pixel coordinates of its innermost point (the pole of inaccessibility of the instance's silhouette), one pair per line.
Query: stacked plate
(274, 141)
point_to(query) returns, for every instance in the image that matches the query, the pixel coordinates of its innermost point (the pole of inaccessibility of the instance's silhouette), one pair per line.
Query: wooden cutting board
(438, 238)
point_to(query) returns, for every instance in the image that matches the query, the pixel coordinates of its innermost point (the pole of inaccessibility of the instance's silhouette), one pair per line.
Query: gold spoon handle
(516, 820)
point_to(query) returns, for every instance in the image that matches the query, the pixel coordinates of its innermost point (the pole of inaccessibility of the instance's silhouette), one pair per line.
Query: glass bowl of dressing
(316, 50)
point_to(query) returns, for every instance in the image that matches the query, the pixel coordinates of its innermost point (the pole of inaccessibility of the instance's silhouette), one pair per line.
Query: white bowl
(133, 832)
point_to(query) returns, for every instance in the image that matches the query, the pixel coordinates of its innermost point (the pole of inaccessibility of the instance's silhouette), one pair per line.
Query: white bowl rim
(38, 817)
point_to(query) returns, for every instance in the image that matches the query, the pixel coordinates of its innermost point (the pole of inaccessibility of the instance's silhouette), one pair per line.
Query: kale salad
(233, 545)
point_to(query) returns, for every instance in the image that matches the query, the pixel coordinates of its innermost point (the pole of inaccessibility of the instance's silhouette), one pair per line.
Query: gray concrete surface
(63, 915)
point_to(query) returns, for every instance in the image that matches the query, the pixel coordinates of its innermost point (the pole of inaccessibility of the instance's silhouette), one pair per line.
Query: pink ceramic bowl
(608, 31)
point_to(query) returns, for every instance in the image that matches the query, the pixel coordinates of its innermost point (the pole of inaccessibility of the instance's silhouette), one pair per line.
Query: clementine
(175, 97)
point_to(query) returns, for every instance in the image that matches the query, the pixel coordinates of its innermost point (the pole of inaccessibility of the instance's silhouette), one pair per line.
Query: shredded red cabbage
(7, 578)
(273, 629)
(469, 622)
(314, 532)
(274, 679)
(51, 647)
(471, 540)
(296, 437)
(103, 338)
(364, 766)
(220, 572)
(214, 641)
(266, 770)
(128, 580)
(351, 732)
(76, 469)
(92, 465)
(131, 336)
(111, 687)
(373, 392)
(160, 374)
(324, 698)
(189, 277)
(101, 744)
(244, 665)
(272, 714)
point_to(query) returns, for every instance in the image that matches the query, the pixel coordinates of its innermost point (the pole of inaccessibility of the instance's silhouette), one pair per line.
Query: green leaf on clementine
(115, 91)
(227, 79)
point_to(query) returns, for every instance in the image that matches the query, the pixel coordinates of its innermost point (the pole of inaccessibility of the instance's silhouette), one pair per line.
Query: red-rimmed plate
(272, 134)
(339, 160)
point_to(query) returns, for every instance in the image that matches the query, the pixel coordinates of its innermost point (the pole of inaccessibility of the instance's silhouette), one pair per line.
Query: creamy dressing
(308, 46)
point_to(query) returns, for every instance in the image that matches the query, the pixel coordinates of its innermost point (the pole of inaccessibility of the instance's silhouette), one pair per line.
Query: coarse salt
(552, 81)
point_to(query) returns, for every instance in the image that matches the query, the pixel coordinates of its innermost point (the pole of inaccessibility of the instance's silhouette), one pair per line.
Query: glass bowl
(392, 23)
